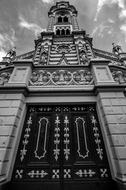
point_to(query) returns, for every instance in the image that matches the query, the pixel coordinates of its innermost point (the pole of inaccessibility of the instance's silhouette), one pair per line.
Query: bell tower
(63, 19)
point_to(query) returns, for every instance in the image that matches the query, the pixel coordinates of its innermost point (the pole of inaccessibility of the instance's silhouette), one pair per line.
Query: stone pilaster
(111, 106)
(12, 113)
(75, 23)
(50, 25)
(12, 107)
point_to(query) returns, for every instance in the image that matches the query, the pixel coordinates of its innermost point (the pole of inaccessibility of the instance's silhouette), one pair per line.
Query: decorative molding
(25, 141)
(56, 150)
(61, 77)
(37, 174)
(66, 138)
(41, 144)
(99, 148)
(4, 77)
(119, 76)
(63, 48)
(81, 134)
(86, 173)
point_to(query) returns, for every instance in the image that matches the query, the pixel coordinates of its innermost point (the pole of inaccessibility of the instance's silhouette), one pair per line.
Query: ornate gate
(61, 147)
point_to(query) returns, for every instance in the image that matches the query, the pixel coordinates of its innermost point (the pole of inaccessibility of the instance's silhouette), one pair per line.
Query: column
(111, 105)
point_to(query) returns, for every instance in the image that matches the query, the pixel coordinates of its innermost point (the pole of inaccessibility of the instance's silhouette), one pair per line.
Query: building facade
(63, 111)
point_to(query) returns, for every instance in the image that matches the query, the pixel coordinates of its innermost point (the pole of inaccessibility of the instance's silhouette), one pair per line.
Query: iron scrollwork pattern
(61, 142)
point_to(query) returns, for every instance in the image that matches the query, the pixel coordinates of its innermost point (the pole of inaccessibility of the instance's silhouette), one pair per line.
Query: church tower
(63, 111)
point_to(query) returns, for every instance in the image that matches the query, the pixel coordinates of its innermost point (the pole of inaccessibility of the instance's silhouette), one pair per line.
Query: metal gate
(61, 147)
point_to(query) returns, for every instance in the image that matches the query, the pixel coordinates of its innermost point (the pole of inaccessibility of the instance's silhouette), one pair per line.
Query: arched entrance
(61, 148)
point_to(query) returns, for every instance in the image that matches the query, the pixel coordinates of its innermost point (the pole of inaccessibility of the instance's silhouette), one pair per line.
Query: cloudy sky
(22, 20)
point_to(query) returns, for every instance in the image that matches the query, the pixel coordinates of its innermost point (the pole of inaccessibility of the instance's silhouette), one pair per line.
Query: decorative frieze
(4, 77)
(119, 76)
(61, 77)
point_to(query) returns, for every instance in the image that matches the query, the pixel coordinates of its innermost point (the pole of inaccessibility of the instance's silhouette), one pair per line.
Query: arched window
(60, 19)
(62, 32)
(58, 32)
(67, 32)
(65, 19)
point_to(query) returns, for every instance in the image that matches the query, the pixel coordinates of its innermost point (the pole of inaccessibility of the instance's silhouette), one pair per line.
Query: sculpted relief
(61, 77)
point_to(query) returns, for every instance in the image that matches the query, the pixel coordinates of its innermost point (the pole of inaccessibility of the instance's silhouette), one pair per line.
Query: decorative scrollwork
(40, 77)
(83, 77)
(63, 48)
(4, 77)
(61, 77)
(119, 76)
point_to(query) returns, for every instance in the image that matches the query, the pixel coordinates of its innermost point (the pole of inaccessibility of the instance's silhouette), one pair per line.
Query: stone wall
(12, 108)
(112, 106)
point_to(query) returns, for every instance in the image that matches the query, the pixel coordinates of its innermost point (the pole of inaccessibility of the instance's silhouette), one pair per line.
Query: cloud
(47, 1)
(122, 14)
(101, 29)
(101, 3)
(123, 30)
(7, 41)
(36, 29)
(2, 54)
(110, 20)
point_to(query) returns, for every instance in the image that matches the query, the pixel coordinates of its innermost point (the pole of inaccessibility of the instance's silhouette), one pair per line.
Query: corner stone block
(3, 168)
(118, 140)
(20, 75)
(102, 72)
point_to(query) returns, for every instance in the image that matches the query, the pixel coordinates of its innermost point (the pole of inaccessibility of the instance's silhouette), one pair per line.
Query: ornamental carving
(4, 77)
(61, 77)
(83, 56)
(119, 76)
(63, 48)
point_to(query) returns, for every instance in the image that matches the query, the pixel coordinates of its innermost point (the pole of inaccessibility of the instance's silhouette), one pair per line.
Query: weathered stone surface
(12, 97)
(10, 120)
(113, 110)
(6, 141)
(10, 111)
(120, 153)
(117, 129)
(111, 95)
(3, 168)
(4, 154)
(7, 130)
(118, 140)
(121, 165)
(11, 104)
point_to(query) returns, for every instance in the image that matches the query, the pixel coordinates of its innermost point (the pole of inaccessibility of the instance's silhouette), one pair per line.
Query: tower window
(67, 32)
(65, 19)
(58, 32)
(60, 19)
(62, 32)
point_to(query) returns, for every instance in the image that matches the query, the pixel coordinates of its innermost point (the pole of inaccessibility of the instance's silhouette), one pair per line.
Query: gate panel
(62, 147)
